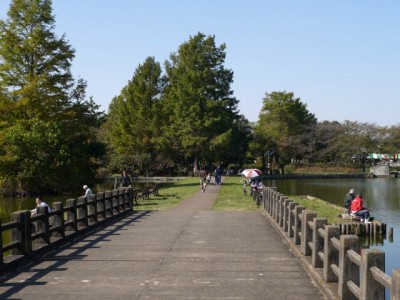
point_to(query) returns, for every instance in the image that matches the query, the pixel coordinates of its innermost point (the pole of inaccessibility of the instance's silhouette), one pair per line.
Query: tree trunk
(195, 168)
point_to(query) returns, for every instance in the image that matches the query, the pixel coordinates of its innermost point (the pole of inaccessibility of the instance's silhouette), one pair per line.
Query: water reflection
(381, 196)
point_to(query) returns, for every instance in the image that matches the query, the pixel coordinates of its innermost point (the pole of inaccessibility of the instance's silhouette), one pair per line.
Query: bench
(144, 193)
(135, 193)
(154, 189)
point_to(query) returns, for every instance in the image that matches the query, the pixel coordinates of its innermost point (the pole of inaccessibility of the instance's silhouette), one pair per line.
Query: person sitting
(347, 201)
(358, 210)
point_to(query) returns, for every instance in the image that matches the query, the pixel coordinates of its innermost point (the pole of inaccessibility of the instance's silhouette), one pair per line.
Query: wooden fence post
(23, 233)
(81, 211)
(108, 203)
(347, 269)
(292, 205)
(370, 288)
(130, 203)
(72, 215)
(318, 242)
(297, 224)
(42, 226)
(330, 252)
(281, 210)
(114, 201)
(101, 208)
(58, 220)
(307, 232)
(91, 209)
(286, 213)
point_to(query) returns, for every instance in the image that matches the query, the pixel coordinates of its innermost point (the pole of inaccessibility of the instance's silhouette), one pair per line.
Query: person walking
(203, 178)
(218, 175)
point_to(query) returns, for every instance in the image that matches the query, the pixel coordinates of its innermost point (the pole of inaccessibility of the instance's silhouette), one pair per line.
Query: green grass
(322, 208)
(231, 196)
(171, 194)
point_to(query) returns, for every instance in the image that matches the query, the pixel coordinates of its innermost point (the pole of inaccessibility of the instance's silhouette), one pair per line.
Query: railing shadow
(53, 253)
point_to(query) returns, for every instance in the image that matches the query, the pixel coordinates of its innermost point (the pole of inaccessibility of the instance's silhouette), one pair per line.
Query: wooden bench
(144, 193)
(154, 189)
(135, 193)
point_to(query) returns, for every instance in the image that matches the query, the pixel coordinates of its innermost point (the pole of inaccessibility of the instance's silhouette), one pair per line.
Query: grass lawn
(171, 194)
(231, 197)
(322, 208)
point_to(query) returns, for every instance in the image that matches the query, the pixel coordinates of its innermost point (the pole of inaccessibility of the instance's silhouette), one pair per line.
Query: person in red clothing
(358, 209)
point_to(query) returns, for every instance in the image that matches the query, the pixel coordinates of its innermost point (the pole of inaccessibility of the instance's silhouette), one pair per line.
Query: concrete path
(188, 252)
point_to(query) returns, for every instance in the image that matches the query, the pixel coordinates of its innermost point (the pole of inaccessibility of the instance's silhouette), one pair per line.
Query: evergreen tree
(199, 101)
(47, 128)
(135, 118)
(282, 126)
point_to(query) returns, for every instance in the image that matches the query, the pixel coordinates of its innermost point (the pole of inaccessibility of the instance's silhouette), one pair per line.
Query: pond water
(380, 195)
(9, 205)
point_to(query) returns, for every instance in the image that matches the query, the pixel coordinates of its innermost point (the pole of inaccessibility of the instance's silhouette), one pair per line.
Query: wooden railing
(359, 274)
(31, 233)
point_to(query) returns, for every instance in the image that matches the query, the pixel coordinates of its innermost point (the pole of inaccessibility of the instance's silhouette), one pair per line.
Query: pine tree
(135, 118)
(199, 100)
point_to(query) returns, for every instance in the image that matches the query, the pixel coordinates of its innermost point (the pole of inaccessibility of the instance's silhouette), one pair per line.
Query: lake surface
(9, 205)
(380, 195)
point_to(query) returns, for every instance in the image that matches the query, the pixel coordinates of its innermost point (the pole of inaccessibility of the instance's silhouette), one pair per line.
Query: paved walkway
(188, 252)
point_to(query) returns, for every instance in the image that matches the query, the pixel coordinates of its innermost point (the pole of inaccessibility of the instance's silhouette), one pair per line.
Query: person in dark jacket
(348, 199)
(125, 180)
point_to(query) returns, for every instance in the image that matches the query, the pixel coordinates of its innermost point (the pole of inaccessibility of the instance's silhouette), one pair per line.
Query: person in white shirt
(39, 202)
(88, 191)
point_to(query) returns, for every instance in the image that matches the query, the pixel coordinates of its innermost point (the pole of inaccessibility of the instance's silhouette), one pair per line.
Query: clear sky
(340, 57)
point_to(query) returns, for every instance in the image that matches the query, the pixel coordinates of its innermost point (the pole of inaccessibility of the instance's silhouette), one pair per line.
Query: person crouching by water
(347, 201)
(358, 209)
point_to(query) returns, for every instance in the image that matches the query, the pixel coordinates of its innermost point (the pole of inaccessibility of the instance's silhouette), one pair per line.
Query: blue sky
(341, 58)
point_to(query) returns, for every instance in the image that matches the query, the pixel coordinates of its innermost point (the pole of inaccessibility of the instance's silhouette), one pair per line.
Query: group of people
(354, 206)
(205, 178)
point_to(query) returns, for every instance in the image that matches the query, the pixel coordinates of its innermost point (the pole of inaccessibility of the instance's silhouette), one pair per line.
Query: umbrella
(250, 173)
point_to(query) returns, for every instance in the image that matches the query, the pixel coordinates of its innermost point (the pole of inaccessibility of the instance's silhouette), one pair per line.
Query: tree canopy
(135, 118)
(47, 128)
(283, 122)
(199, 102)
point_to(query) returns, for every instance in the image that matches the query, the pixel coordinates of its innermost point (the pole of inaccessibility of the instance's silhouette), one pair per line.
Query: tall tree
(199, 101)
(48, 130)
(135, 118)
(282, 124)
